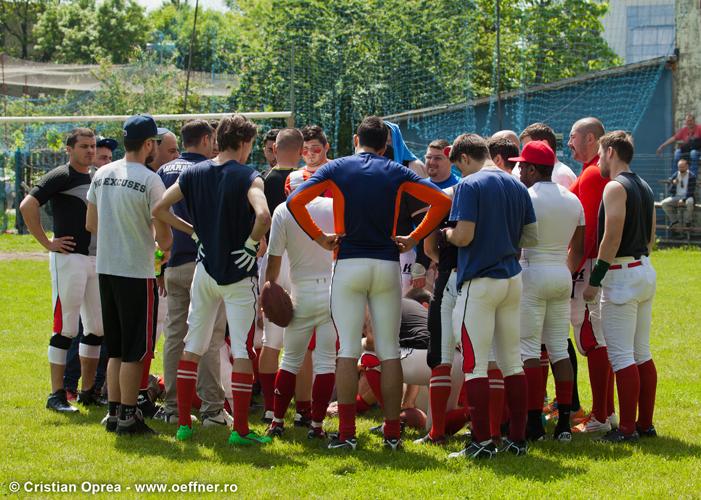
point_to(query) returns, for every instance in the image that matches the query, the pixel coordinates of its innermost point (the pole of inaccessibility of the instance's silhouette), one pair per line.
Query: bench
(680, 233)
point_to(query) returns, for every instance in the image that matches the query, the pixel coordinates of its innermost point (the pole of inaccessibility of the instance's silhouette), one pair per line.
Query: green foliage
(17, 20)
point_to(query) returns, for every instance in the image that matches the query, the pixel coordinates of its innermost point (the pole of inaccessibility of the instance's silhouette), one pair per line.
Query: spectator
(681, 193)
(166, 151)
(501, 149)
(268, 152)
(690, 138)
(104, 150)
(562, 174)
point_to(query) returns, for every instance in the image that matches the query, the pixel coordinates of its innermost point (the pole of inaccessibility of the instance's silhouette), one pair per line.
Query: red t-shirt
(589, 188)
(685, 133)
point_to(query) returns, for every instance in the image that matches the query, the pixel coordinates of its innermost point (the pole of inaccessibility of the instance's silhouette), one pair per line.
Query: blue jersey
(183, 249)
(217, 200)
(500, 206)
(367, 191)
(450, 181)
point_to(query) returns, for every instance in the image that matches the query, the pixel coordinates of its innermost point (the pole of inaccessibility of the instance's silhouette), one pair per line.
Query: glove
(247, 254)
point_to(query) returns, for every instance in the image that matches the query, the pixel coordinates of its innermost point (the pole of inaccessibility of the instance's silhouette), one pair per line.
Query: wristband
(598, 273)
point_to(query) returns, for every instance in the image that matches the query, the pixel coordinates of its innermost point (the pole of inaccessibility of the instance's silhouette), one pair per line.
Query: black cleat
(137, 427)
(518, 448)
(58, 402)
(267, 417)
(617, 436)
(316, 433)
(275, 431)
(91, 397)
(563, 433)
(477, 450)
(110, 423)
(302, 421)
(392, 444)
(535, 432)
(337, 444)
(148, 408)
(427, 439)
(650, 432)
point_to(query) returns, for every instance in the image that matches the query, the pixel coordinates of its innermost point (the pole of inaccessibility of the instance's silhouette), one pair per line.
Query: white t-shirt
(307, 258)
(682, 184)
(558, 213)
(562, 174)
(124, 193)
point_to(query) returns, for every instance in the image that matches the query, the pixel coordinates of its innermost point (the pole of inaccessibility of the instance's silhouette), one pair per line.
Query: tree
(17, 20)
(122, 29)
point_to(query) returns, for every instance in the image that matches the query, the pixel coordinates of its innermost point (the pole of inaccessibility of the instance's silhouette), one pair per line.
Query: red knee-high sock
(516, 396)
(563, 392)
(648, 388)
(321, 395)
(346, 421)
(143, 386)
(438, 394)
(545, 366)
(267, 387)
(478, 395)
(360, 404)
(628, 383)
(304, 408)
(455, 420)
(256, 377)
(374, 380)
(599, 367)
(241, 388)
(284, 390)
(610, 406)
(534, 376)
(185, 387)
(496, 401)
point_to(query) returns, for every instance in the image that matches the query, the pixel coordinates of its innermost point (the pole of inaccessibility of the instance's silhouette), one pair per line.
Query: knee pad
(91, 339)
(57, 356)
(60, 342)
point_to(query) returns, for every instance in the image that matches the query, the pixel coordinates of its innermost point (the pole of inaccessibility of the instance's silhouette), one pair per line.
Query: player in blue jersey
(367, 190)
(230, 215)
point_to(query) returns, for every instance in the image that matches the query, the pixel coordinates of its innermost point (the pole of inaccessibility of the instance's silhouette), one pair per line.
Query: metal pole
(498, 83)
(189, 57)
(19, 220)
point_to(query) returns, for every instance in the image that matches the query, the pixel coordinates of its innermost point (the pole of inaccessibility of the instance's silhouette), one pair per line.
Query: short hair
(372, 133)
(439, 144)
(193, 131)
(234, 130)
(621, 142)
(134, 145)
(690, 114)
(683, 158)
(73, 135)
(289, 139)
(314, 132)
(271, 135)
(471, 145)
(540, 132)
(420, 295)
(503, 147)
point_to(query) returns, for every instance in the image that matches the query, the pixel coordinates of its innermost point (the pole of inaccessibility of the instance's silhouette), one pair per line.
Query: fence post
(19, 220)
(3, 195)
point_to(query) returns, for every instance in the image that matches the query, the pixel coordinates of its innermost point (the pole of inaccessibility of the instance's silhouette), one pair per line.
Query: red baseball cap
(538, 152)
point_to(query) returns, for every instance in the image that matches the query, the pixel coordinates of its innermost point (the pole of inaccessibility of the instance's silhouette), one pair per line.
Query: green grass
(19, 243)
(45, 447)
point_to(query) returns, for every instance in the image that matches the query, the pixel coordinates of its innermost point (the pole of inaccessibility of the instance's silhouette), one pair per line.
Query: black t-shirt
(447, 253)
(413, 332)
(275, 187)
(67, 189)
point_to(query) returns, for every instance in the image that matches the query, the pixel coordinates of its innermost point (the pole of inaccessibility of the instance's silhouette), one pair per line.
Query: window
(650, 31)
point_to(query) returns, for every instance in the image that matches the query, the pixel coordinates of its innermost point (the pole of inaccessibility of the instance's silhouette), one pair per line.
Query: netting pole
(498, 82)
(3, 195)
(19, 220)
(189, 57)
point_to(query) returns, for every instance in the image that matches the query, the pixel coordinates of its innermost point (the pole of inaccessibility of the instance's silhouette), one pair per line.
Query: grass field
(44, 447)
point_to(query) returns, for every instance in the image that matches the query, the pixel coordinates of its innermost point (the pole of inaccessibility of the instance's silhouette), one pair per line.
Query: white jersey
(562, 175)
(307, 258)
(558, 213)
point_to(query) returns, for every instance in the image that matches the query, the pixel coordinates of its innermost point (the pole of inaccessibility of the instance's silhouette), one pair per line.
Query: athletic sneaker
(592, 425)
(316, 433)
(275, 431)
(251, 438)
(137, 427)
(518, 448)
(535, 432)
(148, 408)
(58, 402)
(110, 423)
(336, 443)
(617, 436)
(183, 433)
(267, 417)
(613, 420)
(562, 435)
(302, 421)
(578, 416)
(169, 417)
(427, 439)
(650, 432)
(91, 397)
(392, 444)
(477, 451)
(219, 419)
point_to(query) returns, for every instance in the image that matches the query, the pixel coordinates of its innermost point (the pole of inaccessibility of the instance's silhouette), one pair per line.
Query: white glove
(247, 254)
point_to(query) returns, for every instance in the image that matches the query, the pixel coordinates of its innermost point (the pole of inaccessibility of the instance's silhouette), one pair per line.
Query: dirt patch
(24, 256)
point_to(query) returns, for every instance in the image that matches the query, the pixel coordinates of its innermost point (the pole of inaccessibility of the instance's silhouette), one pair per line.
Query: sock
(346, 421)
(304, 408)
(478, 395)
(599, 366)
(196, 401)
(143, 386)
(267, 387)
(563, 392)
(455, 420)
(648, 388)
(516, 396)
(573, 359)
(392, 429)
(610, 407)
(284, 390)
(241, 388)
(185, 387)
(545, 367)
(628, 383)
(374, 381)
(256, 375)
(321, 395)
(438, 394)
(496, 401)
(126, 414)
(360, 404)
(112, 408)
(535, 385)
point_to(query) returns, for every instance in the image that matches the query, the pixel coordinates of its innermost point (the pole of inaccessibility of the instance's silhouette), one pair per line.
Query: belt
(635, 263)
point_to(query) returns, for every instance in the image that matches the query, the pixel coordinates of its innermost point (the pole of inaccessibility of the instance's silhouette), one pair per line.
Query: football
(414, 418)
(276, 304)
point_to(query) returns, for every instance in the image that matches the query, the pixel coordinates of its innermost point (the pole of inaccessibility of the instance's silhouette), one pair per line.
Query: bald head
(288, 147)
(509, 135)
(590, 125)
(584, 138)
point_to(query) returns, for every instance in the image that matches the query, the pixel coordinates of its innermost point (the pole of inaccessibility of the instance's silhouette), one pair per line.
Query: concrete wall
(688, 74)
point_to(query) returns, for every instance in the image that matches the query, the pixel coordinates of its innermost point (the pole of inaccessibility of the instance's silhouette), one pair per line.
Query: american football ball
(414, 418)
(276, 304)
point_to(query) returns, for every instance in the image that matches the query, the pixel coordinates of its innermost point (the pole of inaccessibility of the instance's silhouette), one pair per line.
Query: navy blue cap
(106, 142)
(142, 127)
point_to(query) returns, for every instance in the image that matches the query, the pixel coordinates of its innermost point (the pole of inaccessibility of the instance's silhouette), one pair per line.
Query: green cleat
(184, 433)
(251, 438)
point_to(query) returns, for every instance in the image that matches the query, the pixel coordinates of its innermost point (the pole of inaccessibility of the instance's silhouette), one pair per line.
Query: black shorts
(129, 316)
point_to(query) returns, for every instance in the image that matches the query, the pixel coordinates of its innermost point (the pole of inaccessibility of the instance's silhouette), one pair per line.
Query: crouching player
(310, 275)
